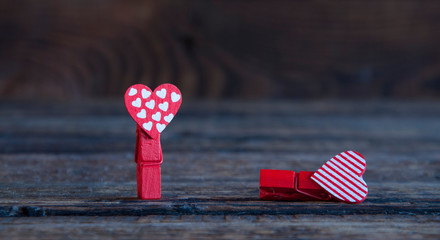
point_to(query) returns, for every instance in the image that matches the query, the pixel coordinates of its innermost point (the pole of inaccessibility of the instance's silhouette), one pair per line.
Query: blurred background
(51, 49)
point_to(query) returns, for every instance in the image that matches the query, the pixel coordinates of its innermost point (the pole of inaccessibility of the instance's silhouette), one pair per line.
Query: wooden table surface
(67, 170)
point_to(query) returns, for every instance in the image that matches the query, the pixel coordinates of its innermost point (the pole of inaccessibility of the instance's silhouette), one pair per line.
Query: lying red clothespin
(339, 179)
(288, 185)
(152, 111)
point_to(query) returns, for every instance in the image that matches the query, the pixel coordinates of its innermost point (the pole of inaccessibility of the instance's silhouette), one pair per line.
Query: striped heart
(341, 176)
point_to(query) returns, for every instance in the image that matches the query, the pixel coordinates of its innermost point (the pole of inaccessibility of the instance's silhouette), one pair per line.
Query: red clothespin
(339, 179)
(288, 185)
(148, 157)
(152, 111)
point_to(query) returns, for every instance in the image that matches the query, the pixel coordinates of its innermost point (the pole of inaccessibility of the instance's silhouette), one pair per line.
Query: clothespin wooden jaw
(148, 150)
(288, 185)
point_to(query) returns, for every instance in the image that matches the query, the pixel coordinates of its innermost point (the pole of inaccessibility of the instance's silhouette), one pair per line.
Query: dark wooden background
(221, 49)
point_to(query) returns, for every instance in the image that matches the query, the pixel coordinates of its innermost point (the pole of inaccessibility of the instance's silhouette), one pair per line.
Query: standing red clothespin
(152, 111)
(339, 179)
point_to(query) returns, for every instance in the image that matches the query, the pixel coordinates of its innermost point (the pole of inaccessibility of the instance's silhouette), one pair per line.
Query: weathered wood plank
(74, 162)
(206, 201)
(199, 184)
(71, 168)
(223, 227)
(232, 126)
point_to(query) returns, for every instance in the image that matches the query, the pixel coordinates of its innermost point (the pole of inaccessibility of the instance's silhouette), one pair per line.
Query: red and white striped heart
(341, 176)
(153, 111)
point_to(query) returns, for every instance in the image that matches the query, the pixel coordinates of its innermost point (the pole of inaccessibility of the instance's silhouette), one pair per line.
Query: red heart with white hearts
(341, 176)
(153, 111)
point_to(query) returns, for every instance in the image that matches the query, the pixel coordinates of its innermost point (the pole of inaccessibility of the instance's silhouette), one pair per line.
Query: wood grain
(224, 227)
(67, 170)
(221, 49)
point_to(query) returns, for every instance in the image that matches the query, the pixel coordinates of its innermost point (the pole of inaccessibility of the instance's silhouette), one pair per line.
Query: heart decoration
(341, 177)
(153, 111)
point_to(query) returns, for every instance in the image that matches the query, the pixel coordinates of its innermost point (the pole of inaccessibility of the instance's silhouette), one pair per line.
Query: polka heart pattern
(153, 111)
(341, 176)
